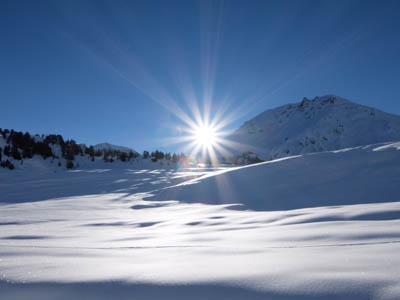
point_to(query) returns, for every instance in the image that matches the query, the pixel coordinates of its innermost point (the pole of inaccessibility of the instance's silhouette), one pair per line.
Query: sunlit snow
(254, 232)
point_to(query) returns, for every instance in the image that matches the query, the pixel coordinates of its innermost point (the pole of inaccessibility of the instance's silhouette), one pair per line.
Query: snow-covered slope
(366, 174)
(92, 234)
(321, 124)
(107, 146)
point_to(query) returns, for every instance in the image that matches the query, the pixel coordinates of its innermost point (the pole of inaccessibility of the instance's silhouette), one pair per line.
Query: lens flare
(205, 135)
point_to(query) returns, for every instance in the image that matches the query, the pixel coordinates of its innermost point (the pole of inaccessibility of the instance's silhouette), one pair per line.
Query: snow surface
(334, 232)
(38, 165)
(366, 174)
(322, 124)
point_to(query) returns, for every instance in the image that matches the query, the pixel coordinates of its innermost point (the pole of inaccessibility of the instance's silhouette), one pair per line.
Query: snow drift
(367, 174)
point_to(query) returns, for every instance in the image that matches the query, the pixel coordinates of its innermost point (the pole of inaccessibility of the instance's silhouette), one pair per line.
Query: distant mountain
(314, 125)
(107, 146)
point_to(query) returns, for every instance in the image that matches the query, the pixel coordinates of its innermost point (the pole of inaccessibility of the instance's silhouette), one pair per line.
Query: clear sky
(126, 72)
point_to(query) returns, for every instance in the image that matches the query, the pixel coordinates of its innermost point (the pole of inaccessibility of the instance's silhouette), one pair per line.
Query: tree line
(21, 146)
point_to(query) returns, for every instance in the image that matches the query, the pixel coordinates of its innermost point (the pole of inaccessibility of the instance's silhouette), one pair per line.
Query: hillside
(45, 153)
(367, 174)
(321, 124)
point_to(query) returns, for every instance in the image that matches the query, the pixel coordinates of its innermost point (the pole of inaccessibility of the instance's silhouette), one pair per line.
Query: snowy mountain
(314, 125)
(107, 146)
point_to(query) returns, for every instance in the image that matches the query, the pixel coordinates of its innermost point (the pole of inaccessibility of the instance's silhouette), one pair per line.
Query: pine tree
(9, 136)
(10, 165)
(5, 132)
(7, 164)
(90, 152)
(106, 156)
(7, 150)
(154, 156)
(15, 153)
(27, 152)
(70, 164)
(131, 155)
(42, 149)
(123, 156)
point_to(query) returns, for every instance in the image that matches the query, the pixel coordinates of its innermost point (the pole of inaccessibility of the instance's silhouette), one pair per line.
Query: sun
(205, 135)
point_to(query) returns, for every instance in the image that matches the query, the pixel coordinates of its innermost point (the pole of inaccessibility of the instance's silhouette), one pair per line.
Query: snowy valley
(322, 225)
(315, 225)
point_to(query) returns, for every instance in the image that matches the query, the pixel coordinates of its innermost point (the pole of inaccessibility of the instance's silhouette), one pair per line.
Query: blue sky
(126, 71)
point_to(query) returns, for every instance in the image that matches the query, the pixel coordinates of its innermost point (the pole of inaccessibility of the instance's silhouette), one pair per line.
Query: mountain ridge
(109, 146)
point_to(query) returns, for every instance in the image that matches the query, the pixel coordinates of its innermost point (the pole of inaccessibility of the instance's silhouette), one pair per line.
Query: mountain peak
(331, 99)
(323, 123)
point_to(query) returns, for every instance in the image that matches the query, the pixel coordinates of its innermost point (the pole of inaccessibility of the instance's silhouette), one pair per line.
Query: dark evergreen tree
(7, 164)
(157, 155)
(106, 156)
(132, 154)
(145, 154)
(27, 152)
(15, 153)
(42, 149)
(7, 150)
(9, 136)
(90, 151)
(4, 133)
(69, 164)
(123, 156)
(160, 155)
